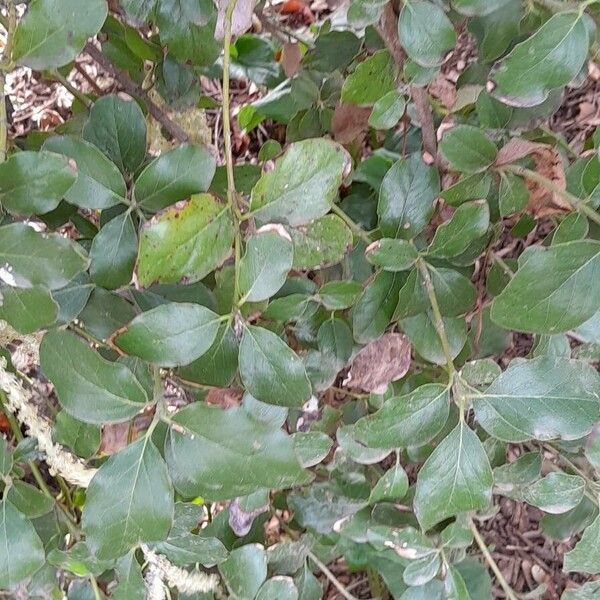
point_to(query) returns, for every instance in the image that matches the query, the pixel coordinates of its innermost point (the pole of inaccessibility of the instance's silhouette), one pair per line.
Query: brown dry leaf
(379, 363)
(224, 397)
(515, 149)
(241, 20)
(115, 436)
(290, 59)
(443, 90)
(349, 123)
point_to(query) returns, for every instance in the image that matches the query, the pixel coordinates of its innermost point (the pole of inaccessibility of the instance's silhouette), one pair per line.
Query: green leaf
(185, 242)
(23, 552)
(118, 128)
(28, 258)
(6, 460)
(337, 295)
(33, 183)
(105, 312)
(28, 500)
(574, 226)
(220, 454)
(470, 221)
(245, 571)
(266, 263)
(278, 588)
(426, 33)
(585, 557)
(27, 309)
(391, 486)
(545, 398)
(404, 421)
(391, 254)
(334, 339)
(513, 194)
(174, 176)
(129, 500)
(72, 298)
(53, 32)
(556, 493)
(372, 79)
(406, 198)
(89, 387)
(319, 244)
(456, 478)
(270, 370)
(113, 252)
(387, 111)
(357, 451)
(171, 334)
(82, 438)
(554, 291)
(512, 478)
(99, 182)
(303, 183)
(478, 8)
(139, 10)
(468, 149)
(131, 582)
(423, 570)
(468, 187)
(588, 591)
(547, 60)
(311, 447)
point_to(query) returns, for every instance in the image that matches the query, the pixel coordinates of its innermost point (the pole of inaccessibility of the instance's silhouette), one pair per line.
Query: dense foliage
(306, 358)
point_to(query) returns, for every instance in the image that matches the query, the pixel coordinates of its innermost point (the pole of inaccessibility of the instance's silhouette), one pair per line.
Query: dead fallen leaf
(224, 397)
(241, 20)
(379, 363)
(290, 59)
(115, 436)
(443, 90)
(349, 122)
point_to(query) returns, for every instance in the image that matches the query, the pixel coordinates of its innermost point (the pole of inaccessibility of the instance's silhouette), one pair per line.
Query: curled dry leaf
(224, 397)
(444, 90)
(241, 520)
(291, 58)
(379, 363)
(350, 122)
(548, 162)
(116, 436)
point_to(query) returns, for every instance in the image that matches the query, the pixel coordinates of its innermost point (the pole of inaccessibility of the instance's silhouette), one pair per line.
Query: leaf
(129, 500)
(511, 479)
(513, 195)
(34, 183)
(82, 438)
(478, 8)
(28, 258)
(556, 493)
(266, 263)
(456, 478)
(245, 571)
(391, 486)
(311, 447)
(28, 500)
(406, 421)
(426, 33)
(468, 149)
(171, 334)
(372, 79)
(53, 32)
(554, 291)
(131, 582)
(174, 176)
(574, 226)
(221, 454)
(302, 185)
(6, 460)
(138, 10)
(356, 451)
(185, 242)
(337, 295)
(391, 254)
(585, 557)
(89, 387)
(270, 370)
(334, 339)
(387, 111)
(117, 127)
(319, 244)
(545, 398)
(588, 591)
(113, 252)
(547, 60)
(419, 572)
(278, 588)
(406, 198)
(99, 182)
(72, 298)
(105, 312)
(470, 221)
(27, 309)
(23, 552)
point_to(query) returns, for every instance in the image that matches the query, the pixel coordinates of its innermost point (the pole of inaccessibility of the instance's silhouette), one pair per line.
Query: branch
(133, 89)
(387, 28)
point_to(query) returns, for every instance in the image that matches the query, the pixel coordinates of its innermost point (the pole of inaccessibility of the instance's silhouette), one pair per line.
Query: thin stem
(95, 588)
(355, 227)
(376, 585)
(510, 594)
(72, 89)
(502, 264)
(336, 584)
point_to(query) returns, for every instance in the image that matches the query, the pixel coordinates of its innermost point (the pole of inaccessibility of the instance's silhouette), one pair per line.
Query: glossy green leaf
(174, 176)
(130, 500)
(391, 486)
(425, 32)
(406, 198)
(555, 290)
(391, 254)
(574, 226)
(72, 298)
(311, 447)
(545, 398)
(185, 243)
(245, 571)
(270, 370)
(171, 334)
(456, 478)
(547, 60)
(53, 32)
(585, 557)
(99, 182)
(221, 454)
(89, 387)
(33, 183)
(82, 438)
(372, 79)
(468, 149)
(28, 258)
(27, 309)
(105, 312)
(387, 111)
(513, 194)
(28, 500)
(303, 183)
(556, 493)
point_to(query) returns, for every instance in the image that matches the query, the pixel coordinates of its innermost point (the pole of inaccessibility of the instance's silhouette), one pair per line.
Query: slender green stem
(95, 588)
(355, 227)
(510, 594)
(336, 584)
(72, 89)
(502, 264)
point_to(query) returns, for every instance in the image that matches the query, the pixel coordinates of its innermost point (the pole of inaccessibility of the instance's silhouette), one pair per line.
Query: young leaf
(270, 370)
(185, 242)
(391, 254)
(371, 80)
(28, 309)
(89, 387)
(303, 183)
(468, 149)
(171, 334)
(220, 454)
(130, 500)
(456, 478)
(585, 557)
(556, 493)
(391, 487)
(174, 176)
(555, 290)
(245, 571)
